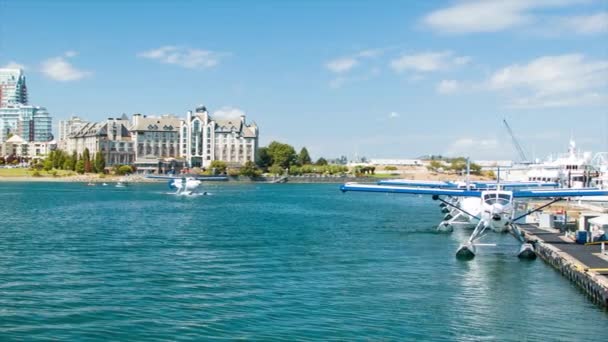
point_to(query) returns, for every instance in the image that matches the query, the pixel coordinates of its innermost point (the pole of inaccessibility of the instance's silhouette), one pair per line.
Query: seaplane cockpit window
(503, 199)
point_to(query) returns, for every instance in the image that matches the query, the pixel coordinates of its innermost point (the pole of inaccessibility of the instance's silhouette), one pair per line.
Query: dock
(582, 264)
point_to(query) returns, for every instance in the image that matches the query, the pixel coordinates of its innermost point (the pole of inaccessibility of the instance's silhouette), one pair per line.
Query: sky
(380, 79)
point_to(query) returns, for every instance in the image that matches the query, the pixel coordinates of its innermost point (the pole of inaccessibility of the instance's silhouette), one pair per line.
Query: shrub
(233, 172)
(36, 174)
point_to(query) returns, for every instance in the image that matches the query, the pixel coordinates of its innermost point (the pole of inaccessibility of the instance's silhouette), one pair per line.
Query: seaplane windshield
(500, 199)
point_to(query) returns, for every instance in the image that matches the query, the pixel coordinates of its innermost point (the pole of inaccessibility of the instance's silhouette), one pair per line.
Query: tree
(434, 165)
(73, 161)
(80, 166)
(275, 169)
(123, 170)
(48, 163)
(321, 161)
(282, 154)
(86, 156)
(262, 158)
(100, 163)
(304, 157)
(219, 166)
(249, 170)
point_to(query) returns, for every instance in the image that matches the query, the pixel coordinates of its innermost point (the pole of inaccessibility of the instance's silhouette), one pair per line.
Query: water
(264, 262)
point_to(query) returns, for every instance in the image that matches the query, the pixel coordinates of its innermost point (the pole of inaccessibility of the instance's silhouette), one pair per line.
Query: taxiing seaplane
(454, 217)
(497, 208)
(188, 185)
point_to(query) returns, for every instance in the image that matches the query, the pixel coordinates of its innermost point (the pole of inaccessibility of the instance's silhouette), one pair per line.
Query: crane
(520, 150)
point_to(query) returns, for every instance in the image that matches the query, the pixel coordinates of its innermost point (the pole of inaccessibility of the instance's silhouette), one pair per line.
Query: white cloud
(347, 63)
(184, 57)
(228, 112)
(554, 81)
(341, 64)
(13, 65)
(428, 61)
(489, 15)
(71, 53)
(587, 24)
(60, 69)
(448, 86)
(473, 147)
(393, 115)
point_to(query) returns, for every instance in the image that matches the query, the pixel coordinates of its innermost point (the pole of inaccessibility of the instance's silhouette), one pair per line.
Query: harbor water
(264, 262)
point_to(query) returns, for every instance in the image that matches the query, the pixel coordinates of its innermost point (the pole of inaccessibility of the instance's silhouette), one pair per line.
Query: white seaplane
(497, 212)
(188, 185)
(455, 217)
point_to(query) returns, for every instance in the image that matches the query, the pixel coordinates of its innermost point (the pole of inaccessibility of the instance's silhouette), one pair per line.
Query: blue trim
(413, 191)
(560, 193)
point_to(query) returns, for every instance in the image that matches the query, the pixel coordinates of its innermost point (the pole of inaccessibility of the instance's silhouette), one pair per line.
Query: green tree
(304, 157)
(100, 163)
(73, 161)
(124, 170)
(219, 166)
(80, 166)
(48, 163)
(262, 158)
(275, 169)
(250, 170)
(434, 165)
(321, 161)
(86, 157)
(282, 154)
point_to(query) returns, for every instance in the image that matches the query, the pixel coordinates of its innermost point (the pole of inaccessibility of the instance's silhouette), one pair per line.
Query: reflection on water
(265, 262)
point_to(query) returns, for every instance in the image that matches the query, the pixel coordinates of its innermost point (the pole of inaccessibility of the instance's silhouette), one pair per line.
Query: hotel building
(204, 139)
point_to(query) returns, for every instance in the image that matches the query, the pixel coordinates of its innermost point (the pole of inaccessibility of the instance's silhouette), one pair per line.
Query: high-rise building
(13, 90)
(29, 122)
(67, 127)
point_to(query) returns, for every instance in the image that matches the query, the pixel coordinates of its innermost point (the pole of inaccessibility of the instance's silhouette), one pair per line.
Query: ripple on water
(264, 262)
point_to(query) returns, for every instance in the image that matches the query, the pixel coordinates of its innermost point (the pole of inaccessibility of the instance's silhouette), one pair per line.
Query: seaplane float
(496, 214)
(188, 185)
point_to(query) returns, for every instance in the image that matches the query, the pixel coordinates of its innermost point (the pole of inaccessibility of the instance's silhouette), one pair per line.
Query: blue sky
(390, 79)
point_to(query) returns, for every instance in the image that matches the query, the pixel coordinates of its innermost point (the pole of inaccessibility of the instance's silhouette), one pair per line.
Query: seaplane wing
(463, 185)
(409, 190)
(423, 183)
(201, 178)
(554, 193)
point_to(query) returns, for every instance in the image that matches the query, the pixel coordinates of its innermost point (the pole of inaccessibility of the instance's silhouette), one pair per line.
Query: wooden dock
(582, 264)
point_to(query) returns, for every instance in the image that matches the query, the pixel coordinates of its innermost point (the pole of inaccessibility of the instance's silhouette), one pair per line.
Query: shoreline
(94, 178)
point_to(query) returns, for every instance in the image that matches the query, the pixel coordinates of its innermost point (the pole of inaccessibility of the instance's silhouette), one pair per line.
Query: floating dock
(582, 264)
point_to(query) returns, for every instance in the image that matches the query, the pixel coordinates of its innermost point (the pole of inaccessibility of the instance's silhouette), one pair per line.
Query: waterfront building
(112, 137)
(20, 147)
(155, 139)
(67, 127)
(32, 123)
(13, 90)
(204, 139)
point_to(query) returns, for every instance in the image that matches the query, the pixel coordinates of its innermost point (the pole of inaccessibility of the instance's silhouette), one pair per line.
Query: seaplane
(188, 185)
(497, 208)
(471, 207)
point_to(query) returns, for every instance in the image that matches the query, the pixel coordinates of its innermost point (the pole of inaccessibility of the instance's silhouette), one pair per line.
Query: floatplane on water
(456, 207)
(188, 185)
(497, 212)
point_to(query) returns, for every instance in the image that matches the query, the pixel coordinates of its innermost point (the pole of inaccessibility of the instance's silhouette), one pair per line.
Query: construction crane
(522, 154)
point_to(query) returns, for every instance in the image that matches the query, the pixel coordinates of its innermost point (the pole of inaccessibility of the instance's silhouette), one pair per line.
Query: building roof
(15, 139)
(157, 124)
